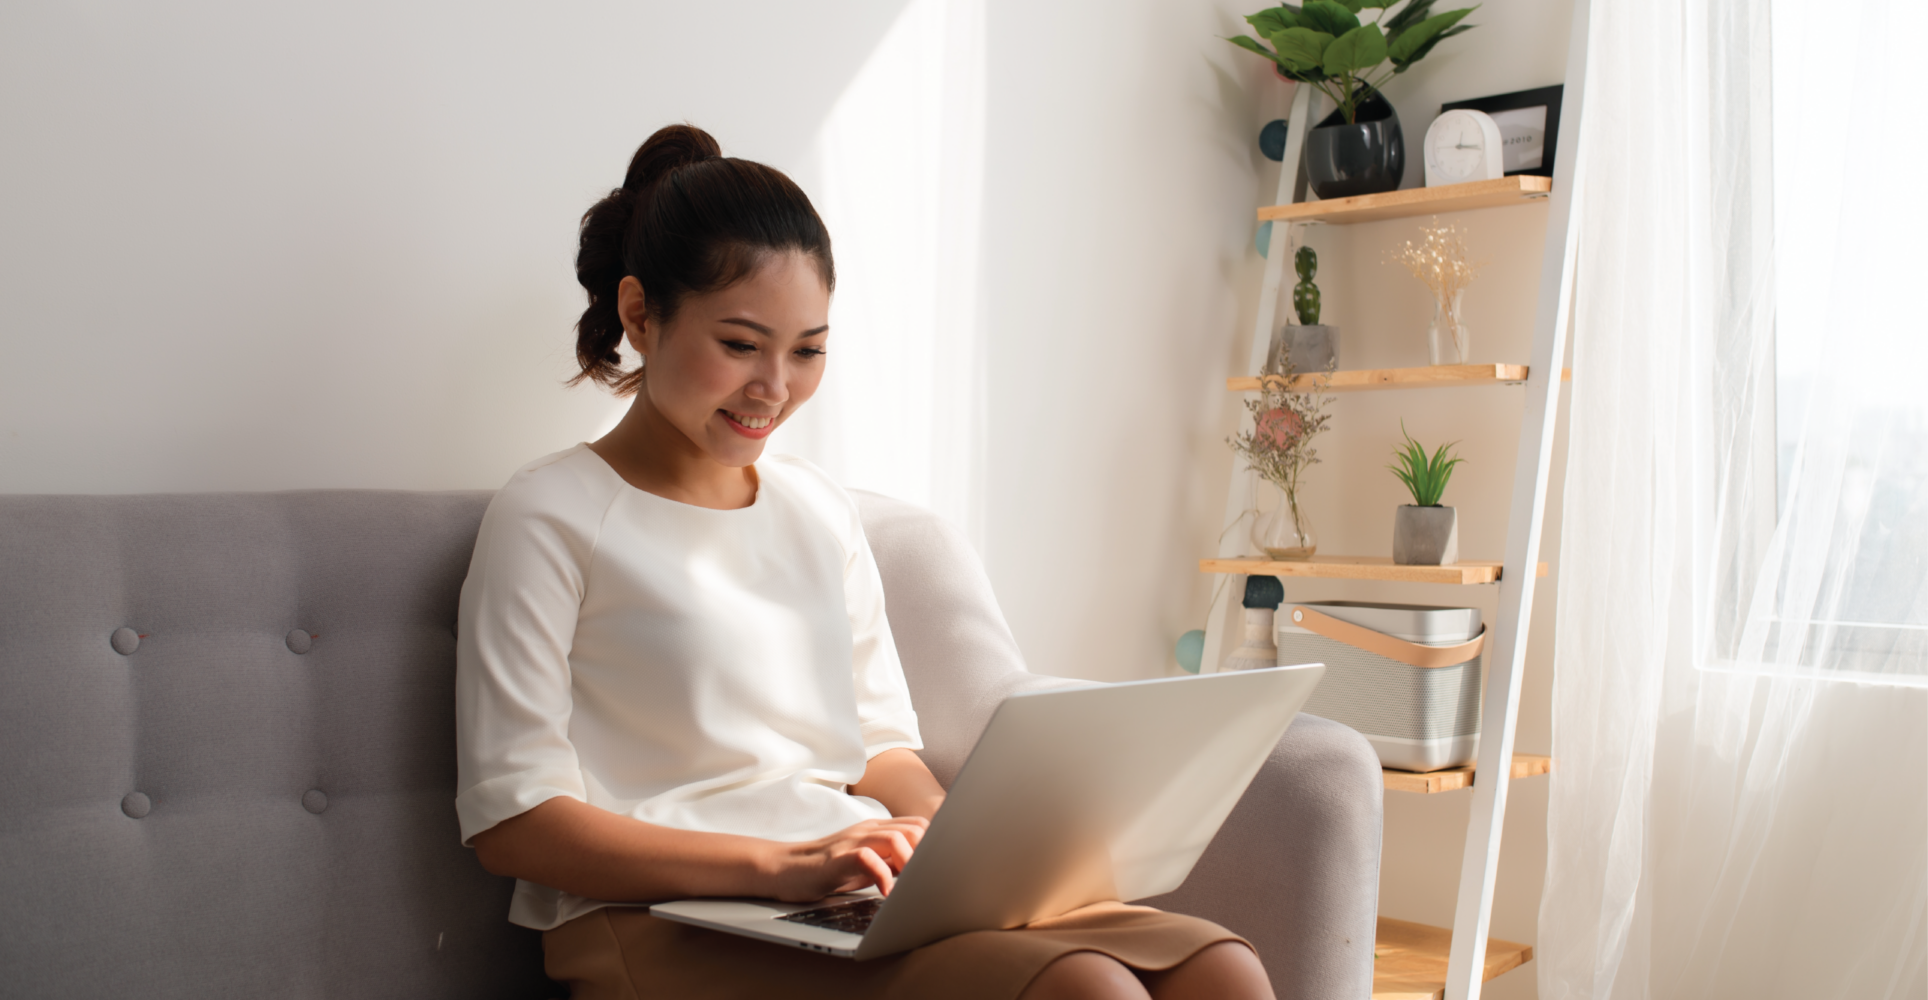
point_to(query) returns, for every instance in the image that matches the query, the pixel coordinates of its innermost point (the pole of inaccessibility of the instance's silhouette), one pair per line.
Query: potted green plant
(1423, 532)
(1359, 148)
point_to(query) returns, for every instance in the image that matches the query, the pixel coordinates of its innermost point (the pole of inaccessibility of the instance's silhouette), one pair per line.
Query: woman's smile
(753, 427)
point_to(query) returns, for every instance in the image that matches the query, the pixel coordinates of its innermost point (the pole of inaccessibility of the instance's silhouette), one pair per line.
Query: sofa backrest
(227, 727)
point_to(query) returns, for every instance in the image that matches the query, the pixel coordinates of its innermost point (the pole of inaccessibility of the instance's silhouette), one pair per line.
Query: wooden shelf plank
(1365, 379)
(1516, 190)
(1467, 571)
(1452, 779)
(1409, 960)
(1429, 377)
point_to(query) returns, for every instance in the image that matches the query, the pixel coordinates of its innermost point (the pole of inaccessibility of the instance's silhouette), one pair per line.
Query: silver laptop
(1070, 797)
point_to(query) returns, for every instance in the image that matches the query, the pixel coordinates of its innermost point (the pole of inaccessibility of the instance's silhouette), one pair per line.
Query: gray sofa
(226, 723)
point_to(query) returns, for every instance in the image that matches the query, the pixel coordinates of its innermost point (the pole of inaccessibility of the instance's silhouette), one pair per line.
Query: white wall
(248, 246)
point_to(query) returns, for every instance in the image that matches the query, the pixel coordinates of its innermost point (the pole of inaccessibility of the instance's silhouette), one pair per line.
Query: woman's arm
(570, 845)
(898, 779)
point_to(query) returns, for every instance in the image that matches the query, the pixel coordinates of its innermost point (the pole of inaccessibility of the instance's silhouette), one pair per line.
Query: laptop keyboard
(853, 917)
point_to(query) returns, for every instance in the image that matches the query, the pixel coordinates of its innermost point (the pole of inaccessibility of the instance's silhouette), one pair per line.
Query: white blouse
(730, 671)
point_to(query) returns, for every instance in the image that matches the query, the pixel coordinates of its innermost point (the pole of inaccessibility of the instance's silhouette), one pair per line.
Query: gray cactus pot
(1313, 348)
(1425, 536)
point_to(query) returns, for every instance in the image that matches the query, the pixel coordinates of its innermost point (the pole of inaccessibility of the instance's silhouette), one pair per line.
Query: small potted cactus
(1423, 532)
(1311, 347)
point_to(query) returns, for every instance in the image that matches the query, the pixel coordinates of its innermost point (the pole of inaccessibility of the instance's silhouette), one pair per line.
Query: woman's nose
(768, 385)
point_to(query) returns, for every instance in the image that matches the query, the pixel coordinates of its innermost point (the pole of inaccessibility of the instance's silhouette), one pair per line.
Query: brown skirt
(623, 953)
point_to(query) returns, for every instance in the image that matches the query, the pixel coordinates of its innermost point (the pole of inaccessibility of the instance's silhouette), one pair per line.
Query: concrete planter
(1425, 536)
(1313, 349)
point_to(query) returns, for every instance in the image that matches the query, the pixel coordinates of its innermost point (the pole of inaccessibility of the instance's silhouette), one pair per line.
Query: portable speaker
(1406, 676)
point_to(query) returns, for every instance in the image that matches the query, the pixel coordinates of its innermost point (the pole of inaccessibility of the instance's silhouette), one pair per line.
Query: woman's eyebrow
(766, 331)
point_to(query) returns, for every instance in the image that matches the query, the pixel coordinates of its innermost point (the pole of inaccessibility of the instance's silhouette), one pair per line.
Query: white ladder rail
(1479, 868)
(1225, 618)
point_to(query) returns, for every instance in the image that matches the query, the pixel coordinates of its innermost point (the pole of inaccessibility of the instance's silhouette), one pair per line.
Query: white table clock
(1461, 146)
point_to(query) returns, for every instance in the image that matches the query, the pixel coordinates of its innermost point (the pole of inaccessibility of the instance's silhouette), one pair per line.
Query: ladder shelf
(1415, 961)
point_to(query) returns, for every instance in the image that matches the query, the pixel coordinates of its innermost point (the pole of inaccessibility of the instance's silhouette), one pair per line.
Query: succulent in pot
(1423, 532)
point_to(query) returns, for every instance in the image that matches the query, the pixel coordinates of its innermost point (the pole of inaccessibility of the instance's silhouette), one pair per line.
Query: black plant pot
(1365, 157)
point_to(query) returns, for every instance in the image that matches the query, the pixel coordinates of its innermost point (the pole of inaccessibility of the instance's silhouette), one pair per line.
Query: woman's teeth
(753, 423)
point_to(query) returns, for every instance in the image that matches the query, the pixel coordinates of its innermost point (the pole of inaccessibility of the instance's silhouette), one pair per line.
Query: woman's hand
(870, 853)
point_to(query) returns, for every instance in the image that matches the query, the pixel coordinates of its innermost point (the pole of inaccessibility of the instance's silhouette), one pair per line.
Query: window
(1826, 574)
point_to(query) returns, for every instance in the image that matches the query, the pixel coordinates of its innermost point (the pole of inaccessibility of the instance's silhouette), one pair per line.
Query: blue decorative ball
(1272, 140)
(1191, 650)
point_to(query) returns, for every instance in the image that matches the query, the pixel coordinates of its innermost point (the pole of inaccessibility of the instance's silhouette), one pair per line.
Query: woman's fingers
(868, 853)
(879, 872)
(894, 847)
(913, 828)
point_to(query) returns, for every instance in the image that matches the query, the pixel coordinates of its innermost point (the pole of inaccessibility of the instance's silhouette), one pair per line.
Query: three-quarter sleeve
(884, 713)
(517, 622)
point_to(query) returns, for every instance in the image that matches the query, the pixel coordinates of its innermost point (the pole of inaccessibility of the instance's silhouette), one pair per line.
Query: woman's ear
(635, 316)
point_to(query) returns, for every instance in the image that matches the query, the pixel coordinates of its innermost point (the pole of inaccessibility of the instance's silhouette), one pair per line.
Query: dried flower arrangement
(1279, 445)
(1440, 263)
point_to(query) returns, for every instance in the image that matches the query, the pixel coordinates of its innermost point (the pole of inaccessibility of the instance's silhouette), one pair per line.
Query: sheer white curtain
(901, 156)
(1736, 812)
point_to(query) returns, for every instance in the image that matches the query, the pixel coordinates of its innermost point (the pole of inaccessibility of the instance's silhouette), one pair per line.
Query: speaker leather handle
(1410, 653)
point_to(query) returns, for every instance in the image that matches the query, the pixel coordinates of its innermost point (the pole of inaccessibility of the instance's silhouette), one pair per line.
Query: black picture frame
(1537, 97)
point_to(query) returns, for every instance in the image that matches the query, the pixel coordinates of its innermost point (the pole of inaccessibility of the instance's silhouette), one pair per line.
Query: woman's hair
(687, 220)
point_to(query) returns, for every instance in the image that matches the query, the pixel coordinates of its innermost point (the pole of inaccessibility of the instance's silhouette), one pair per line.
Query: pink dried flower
(1284, 422)
(1280, 427)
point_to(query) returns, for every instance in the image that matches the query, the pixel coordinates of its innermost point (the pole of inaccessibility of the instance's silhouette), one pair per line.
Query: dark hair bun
(687, 220)
(672, 146)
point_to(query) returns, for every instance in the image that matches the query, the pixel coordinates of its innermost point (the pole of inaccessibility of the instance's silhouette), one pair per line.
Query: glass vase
(1446, 338)
(1279, 527)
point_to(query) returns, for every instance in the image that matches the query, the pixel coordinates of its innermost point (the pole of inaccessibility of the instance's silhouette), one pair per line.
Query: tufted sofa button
(314, 800)
(300, 641)
(135, 805)
(125, 641)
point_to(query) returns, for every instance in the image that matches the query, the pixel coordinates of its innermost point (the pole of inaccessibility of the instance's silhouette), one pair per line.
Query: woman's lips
(753, 427)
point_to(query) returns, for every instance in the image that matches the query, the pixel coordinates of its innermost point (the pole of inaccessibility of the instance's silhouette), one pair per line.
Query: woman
(675, 676)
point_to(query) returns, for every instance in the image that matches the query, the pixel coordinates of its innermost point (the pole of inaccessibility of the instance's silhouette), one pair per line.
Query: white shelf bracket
(1473, 915)
(1224, 619)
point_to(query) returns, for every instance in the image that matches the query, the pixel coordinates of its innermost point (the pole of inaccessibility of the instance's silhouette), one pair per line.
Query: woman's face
(734, 364)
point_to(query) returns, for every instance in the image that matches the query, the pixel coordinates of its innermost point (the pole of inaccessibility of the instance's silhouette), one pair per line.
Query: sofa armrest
(1295, 868)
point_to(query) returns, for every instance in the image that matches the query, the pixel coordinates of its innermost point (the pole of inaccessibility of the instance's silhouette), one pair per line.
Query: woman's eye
(740, 346)
(807, 353)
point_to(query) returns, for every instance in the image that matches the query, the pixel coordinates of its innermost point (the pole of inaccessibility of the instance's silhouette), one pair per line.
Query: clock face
(1461, 146)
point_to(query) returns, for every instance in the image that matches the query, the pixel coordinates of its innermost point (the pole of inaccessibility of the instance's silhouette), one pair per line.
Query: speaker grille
(1383, 697)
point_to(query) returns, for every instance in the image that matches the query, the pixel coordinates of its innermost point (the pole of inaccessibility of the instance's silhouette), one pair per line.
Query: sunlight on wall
(901, 158)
